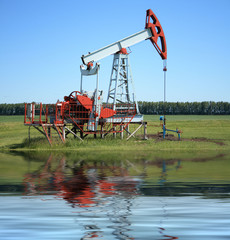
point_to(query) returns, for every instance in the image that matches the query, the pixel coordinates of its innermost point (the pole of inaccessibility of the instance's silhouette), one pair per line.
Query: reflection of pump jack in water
(161, 228)
(165, 169)
(84, 184)
(166, 237)
(162, 180)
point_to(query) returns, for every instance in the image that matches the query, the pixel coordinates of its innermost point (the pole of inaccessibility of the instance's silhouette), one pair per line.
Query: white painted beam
(117, 46)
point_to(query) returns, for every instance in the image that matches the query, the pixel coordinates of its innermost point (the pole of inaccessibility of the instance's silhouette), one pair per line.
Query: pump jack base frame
(62, 130)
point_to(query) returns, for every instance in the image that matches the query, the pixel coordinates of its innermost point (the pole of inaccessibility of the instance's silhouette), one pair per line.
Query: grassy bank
(213, 133)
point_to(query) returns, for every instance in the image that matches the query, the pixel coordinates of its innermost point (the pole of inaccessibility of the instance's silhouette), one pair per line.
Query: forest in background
(158, 108)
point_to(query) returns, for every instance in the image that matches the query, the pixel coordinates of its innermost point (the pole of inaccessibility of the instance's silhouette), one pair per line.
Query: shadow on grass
(29, 144)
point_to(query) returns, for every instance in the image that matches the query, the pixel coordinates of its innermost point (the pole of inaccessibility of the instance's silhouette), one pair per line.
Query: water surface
(59, 197)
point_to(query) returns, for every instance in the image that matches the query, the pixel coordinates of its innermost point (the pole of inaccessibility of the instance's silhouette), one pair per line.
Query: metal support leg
(164, 131)
(49, 131)
(29, 134)
(134, 131)
(114, 131)
(121, 128)
(127, 131)
(145, 131)
(75, 135)
(81, 135)
(63, 133)
(102, 134)
(75, 131)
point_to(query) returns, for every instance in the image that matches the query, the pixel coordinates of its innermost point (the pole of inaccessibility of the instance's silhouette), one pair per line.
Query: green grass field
(14, 137)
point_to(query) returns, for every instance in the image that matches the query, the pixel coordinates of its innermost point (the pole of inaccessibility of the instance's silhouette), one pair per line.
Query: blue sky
(42, 41)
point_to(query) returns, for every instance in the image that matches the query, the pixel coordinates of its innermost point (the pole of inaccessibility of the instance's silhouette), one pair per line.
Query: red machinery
(85, 112)
(77, 113)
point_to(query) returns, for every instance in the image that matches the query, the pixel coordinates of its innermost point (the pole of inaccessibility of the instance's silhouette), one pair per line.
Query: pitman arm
(153, 31)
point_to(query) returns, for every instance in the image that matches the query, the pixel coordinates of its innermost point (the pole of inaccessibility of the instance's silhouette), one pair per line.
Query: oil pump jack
(84, 111)
(121, 87)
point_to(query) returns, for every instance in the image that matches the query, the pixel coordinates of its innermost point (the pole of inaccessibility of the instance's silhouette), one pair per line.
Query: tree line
(185, 108)
(12, 109)
(158, 108)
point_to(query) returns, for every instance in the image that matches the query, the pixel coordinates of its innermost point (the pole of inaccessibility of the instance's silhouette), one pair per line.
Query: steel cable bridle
(164, 70)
